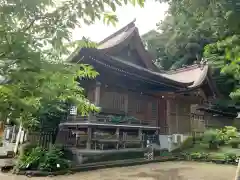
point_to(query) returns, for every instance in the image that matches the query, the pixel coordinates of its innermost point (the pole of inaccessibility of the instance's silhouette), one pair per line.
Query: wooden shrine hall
(137, 98)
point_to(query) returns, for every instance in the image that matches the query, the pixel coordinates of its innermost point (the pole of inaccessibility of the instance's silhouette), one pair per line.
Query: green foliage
(50, 115)
(230, 157)
(220, 157)
(211, 137)
(198, 138)
(226, 133)
(230, 132)
(223, 138)
(234, 142)
(36, 38)
(37, 158)
(187, 143)
(195, 29)
(217, 137)
(31, 160)
(199, 156)
(53, 160)
(26, 149)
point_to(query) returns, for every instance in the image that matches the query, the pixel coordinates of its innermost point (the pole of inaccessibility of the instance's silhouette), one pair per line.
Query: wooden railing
(108, 119)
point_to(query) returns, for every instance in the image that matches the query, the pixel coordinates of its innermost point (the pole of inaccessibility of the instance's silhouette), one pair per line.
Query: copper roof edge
(201, 78)
(132, 23)
(184, 69)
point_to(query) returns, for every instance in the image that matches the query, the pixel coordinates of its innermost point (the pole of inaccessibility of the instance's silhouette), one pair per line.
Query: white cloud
(146, 19)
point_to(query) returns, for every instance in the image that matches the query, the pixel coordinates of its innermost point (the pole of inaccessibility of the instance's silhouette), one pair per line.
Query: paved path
(154, 171)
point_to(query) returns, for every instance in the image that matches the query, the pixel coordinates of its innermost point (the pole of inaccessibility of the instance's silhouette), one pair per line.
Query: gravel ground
(154, 171)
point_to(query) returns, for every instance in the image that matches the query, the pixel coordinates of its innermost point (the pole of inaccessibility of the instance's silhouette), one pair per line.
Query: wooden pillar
(89, 140)
(177, 117)
(97, 93)
(140, 137)
(126, 104)
(168, 116)
(117, 136)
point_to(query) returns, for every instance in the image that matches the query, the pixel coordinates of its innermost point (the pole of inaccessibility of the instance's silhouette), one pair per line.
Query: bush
(230, 132)
(213, 157)
(30, 160)
(212, 137)
(187, 143)
(199, 156)
(234, 142)
(41, 159)
(198, 138)
(226, 134)
(26, 149)
(185, 155)
(223, 138)
(230, 157)
(53, 160)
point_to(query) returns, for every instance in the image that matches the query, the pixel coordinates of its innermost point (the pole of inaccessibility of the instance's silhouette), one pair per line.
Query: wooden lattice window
(154, 110)
(118, 101)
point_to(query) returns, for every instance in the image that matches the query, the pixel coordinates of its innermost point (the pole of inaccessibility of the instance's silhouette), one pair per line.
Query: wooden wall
(173, 113)
(124, 102)
(179, 114)
(217, 121)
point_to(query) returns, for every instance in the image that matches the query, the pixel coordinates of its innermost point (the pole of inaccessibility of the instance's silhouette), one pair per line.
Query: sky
(146, 19)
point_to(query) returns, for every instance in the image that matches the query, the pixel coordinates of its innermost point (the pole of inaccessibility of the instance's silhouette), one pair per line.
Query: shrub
(234, 142)
(54, 160)
(199, 156)
(213, 157)
(185, 155)
(39, 158)
(198, 138)
(212, 137)
(25, 149)
(230, 131)
(223, 138)
(226, 134)
(230, 157)
(30, 160)
(187, 143)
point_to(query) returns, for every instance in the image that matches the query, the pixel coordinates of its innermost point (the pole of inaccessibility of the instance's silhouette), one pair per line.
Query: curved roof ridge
(201, 77)
(186, 68)
(129, 25)
(196, 74)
